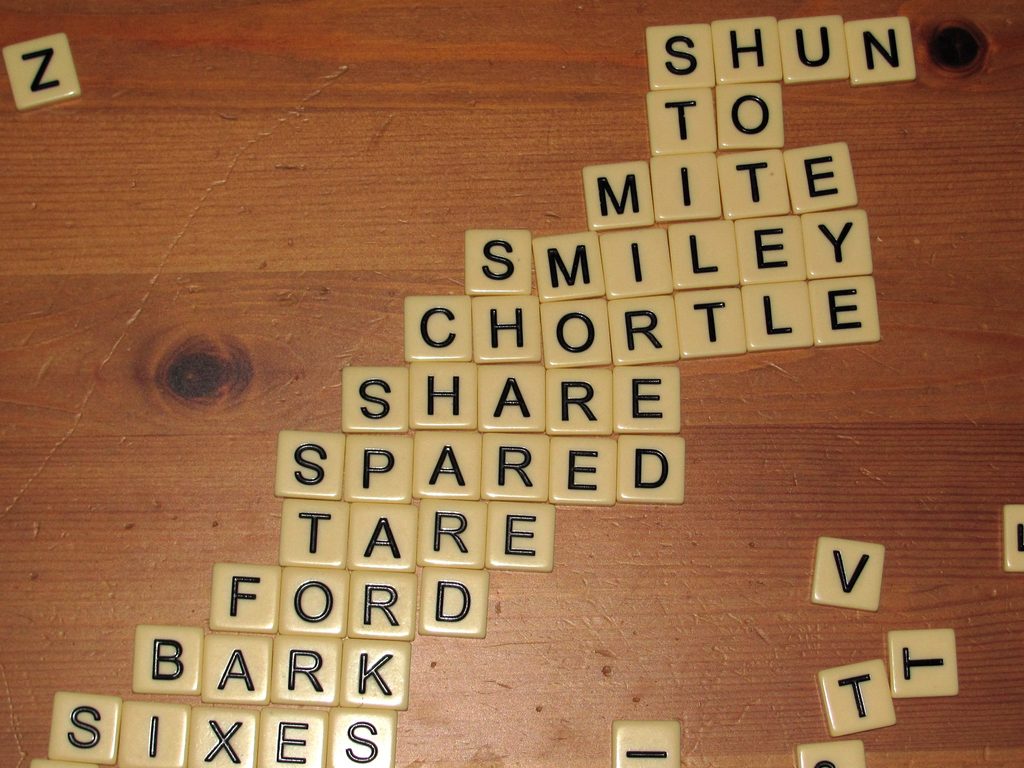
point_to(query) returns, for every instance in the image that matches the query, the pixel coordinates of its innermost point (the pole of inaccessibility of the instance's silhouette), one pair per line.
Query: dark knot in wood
(203, 370)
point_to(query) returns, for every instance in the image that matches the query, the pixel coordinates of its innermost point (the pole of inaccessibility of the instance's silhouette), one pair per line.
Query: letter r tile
(848, 573)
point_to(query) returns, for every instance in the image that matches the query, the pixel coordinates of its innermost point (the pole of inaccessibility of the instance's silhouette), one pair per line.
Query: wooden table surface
(235, 209)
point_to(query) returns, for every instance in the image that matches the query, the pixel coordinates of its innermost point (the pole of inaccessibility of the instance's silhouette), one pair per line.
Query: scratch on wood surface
(291, 112)
(15, 725)
(783, 371)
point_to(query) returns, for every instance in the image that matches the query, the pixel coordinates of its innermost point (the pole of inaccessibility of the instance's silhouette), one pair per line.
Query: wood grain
(235, 209)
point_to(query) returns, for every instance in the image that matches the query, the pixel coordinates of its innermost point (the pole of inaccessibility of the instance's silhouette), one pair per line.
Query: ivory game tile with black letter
(453, 602)
(837, 243)
(309, 464)
(643, 330)
(576, 333)
(820, 177)
(746, 50)
(680, 56)
(685, 187)
(382, 605)
(511, 398)
(520, 536)
(443, 395)
(379, 467)
(777, 316)
(375, 674)
(711, 323)
(839, 754)
(374, 398)
(498, 262)
(314, 533)
(681, 121)
(770, 250)
(636, 263)
(1013, 538)
(844, 310)
(813, 49)
(749, 116)
(382, 537)
(236, 668)
(514, 467)
(847, 573)
(579, 401)
(85, 727)
(880, 51)
(645, 743)
(753, 183)
(446, 465)
(41, 71)
(362, 738)
(244, 597)
(153, 735)
(306, 670)
(223, 737)
(646, 399)
(856, 698)
(291, 736)
(438, 328)
(167, 660)
(618, 195)
(582, 470)
(453, 532)
(922, 662)
(703, 254)
(568, 266)
(651, 469)
(314, 601)
(506, 329)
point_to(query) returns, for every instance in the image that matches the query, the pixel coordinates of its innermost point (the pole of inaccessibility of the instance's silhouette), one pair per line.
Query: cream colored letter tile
(314, 533)
(645, 743)
(361, 738)
(453, 532)
(922, 662)
(770, 250)
(820, 177)
(41, 71)
(443, 395)
(880, 51)
(453, 602)
(314, 601)
(85, 726)
(753, 184)
(506, 329)
(223, 737)
(813, 50)
(515, 467)
(646, 399)
(777, 316)
(651, 469)
(582, 471)
(382, 606)
(153, 735)
(306, 670)
(309, 464)
(681, 121)
(382, 537)
(680, 56)
(379, 468)
(848, 573)
(856, 698)
(374, 399)
(685, 187)
(643, 330)
(710, 323)
(511, 398)
(837, 243)
(568, 266)
(292, 736)
(749, 116)
(167, 659)
(446, 465)
(245, 597)
(576, 333)
(636, 263)
(498, 261)
(579, 401)
(236, 669)
(1013, 538)
(746, 50)
(438, 328)
(375, 674)
(520, 536)
(844, 310)
(840, 754)
(618, 195)
(703, 254)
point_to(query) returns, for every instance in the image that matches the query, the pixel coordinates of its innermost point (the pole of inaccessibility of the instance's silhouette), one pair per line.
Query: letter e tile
(848, 573)
(856, 697)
